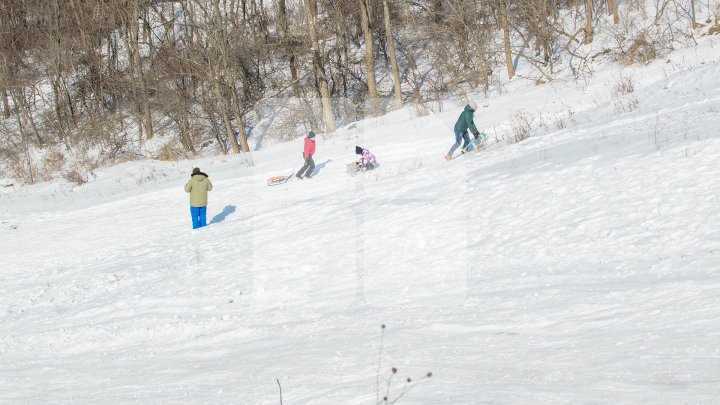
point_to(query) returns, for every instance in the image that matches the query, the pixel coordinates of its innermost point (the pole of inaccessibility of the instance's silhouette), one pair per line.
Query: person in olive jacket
(308, 152)
(464, 123)
(198, 187)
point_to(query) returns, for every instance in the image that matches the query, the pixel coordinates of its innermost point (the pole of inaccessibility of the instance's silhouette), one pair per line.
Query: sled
(475, 142)
(472, 146)
(353, 168)
(277, 180)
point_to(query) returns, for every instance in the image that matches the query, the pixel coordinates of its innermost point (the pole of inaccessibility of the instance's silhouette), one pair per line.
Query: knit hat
(474, 105)
(358, 150)
(311, 135)
(196, 170)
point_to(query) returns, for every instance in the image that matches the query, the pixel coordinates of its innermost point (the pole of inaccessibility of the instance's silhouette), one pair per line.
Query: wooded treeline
(84, 74)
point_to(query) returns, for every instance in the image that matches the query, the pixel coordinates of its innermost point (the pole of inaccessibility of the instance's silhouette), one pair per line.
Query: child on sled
(367, 161)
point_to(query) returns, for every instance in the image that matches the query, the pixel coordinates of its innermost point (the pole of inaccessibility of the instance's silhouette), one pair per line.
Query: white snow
(577, 266)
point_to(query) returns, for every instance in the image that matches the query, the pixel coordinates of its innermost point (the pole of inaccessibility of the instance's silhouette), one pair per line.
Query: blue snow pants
(198, 216)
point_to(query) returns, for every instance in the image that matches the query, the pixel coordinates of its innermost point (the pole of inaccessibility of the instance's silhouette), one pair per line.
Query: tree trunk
(137, 62)
(57, 79)
(393, 60)
(25, 143)
(239, 114)
(294, 74)
(288, 45)
(128, 32)
(547, 33)
(222, 69)
(239, 120)
(233, 13)
(506, 38)
(478, 38)
(23, 108)
(149, 133)
(218, 69)
(588, 22)
(58, 108)
(243, 136)
(320, 70)
(341, 68)
(182, 116)
(613, 11)
(209, 105)
(225, 117)
(373, 97)
(485, 71)
(692, 13)
(437, 9)
(6, 104)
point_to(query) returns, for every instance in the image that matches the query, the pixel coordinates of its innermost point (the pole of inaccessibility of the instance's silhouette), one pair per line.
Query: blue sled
(472, 145)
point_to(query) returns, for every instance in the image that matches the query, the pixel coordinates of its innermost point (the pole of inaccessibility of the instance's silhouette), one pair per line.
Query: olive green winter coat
(466, 122)
(198, 186)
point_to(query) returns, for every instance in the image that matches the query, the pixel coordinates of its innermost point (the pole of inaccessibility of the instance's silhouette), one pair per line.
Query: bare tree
(393, 59)
(692, 14)
(137, 63)
(289, 45)
(505, 26)
(613, 11)
(365, 18)
(217, 67)
(588, 22)
(25, 118)
(319, 67)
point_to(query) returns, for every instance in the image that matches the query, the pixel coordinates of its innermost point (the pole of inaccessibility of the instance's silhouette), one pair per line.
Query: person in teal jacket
(464, 123)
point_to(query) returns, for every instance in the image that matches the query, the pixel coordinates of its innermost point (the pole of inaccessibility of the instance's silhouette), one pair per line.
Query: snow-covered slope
(577, 266)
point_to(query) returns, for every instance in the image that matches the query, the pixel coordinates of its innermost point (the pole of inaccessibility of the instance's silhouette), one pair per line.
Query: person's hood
(199, 176)
(468, 108)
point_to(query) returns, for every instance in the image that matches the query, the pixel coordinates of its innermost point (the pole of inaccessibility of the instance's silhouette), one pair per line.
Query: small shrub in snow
(499, 137)
(149, 176)
(21, 166)
(170, 152)
(625, 105)
(642, 50)
(198, 256)
(73, 176)
(416, 164)
(53, 162)
(561, 120)
(171, 264)
(522, 125)
(389, 398)
(714, 30)
(624, 85)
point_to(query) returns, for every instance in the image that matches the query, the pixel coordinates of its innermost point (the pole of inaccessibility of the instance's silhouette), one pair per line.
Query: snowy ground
(578, 266)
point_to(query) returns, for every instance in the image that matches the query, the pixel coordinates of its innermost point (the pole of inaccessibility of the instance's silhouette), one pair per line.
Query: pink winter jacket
(367, 158)
(309, 148)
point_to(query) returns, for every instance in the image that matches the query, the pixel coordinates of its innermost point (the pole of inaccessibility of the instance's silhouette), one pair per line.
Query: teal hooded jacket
(466, 122)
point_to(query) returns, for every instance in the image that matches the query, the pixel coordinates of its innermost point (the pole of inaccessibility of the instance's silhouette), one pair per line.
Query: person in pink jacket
(308, 153)
(367, 160)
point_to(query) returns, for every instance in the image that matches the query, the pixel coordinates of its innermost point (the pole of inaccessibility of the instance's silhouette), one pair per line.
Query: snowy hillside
(577, 266)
